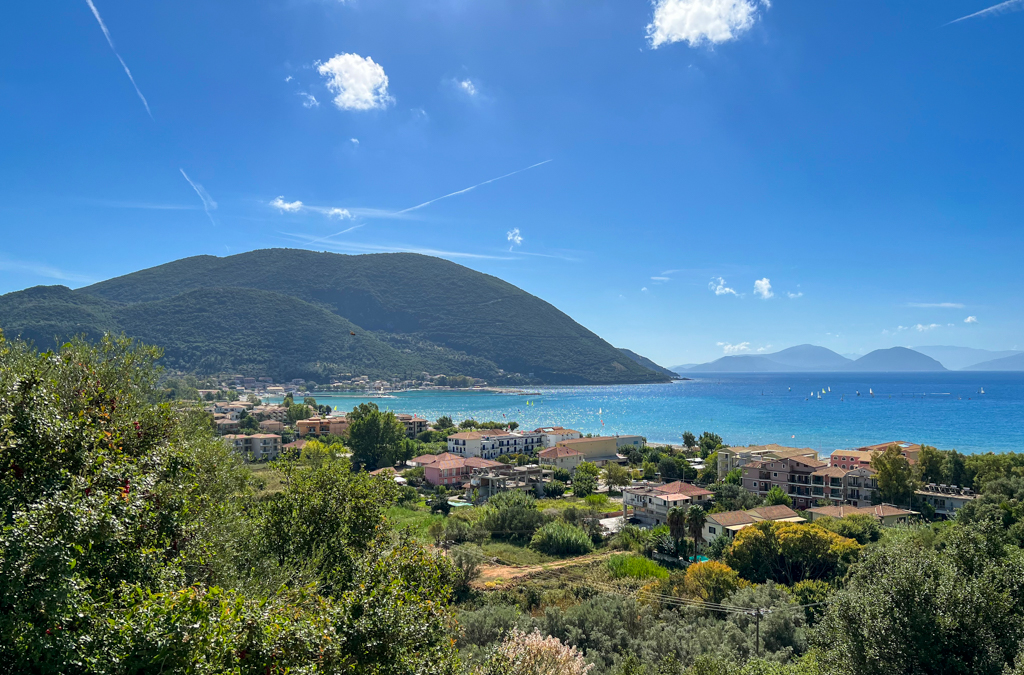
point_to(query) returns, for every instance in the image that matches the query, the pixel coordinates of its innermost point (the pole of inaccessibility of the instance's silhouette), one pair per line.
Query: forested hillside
(296, 308)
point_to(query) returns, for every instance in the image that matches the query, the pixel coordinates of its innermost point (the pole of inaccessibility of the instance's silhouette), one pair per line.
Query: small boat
(830, 390)
(872, 392)
(819, 397)
(858, 392)
(982, 390)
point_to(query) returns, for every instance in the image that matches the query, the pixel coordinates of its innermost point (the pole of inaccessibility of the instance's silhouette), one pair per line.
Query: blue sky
(708, 176)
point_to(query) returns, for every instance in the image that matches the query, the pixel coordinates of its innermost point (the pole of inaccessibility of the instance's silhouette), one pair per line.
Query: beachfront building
(792, 474)
(489, 481)
(491, 443)
(255, 447)
(561, 458)
(737, 458)
(319, 426)
(731, 522)
(271, 426)
(946, 499)
(601, 449)
(651, 501)
(861, 457)
(270, 412)
(552, 436)
(886, 514)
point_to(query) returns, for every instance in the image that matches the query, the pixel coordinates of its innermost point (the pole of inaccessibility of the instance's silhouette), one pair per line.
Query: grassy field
(514, 554)
(271, 478)
(416, 519)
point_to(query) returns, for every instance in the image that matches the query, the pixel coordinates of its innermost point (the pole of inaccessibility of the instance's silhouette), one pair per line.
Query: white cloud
(729, 349)
(340, 214)
(27, 267)
(936, 305)
(900, 329)
(794, 296)
(971, 319)
(288, 79)
(283, 206)
(763, 288)
(923, 327)
(661, 279)
(644, 289)
(718, 286)
(700, 21)
(310, 101)
(514, 237)
(355, 141)
(466, 86)
(360, 84)
(764, 349)
(1001, 8)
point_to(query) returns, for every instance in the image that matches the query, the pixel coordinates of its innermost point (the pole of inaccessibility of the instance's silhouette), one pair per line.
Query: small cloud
(514, 237)
(467, 86)
(719, 287)
(764, 349)
(340, 214)
(360, 84)
(729, 349)
(923, 327)
(354, 141)
(701, 21)
(644, 289)
(763, 288)
(668, 272)
(900, 329)
(971, 319)
(938, 305)
(283, 206)
(794, 296)
(288, 79)
(661, 279)
(310, 100)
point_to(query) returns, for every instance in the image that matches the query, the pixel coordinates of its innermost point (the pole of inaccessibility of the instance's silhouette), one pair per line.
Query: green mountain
(290, 313)
(647, 363)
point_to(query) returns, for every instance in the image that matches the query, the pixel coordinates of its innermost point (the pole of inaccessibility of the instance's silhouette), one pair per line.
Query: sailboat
(830, 390)
(819, 397)
(872, 392)
(858, 392)
(982, 390)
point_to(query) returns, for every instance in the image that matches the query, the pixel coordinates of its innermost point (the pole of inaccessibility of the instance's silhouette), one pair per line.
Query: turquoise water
(940, 409)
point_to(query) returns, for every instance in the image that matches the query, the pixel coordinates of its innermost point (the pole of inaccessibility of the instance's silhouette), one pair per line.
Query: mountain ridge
(812, 358)
(426, 304)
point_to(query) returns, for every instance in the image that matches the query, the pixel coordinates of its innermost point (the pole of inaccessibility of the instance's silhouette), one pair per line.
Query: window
(775, 475)
(711, 529)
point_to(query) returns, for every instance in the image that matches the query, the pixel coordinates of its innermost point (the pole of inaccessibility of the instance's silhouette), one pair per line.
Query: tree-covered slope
(49, 315)
(647, 363)
(428, 298)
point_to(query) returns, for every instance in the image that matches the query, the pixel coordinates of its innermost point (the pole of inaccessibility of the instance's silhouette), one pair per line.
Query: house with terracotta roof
(561, 458)
(731, 522)
(791, 473)
(651, 502)
(455, 472)
(491, 443)
(737, 458)
(424, 460)
(552, 436)
(886, 514)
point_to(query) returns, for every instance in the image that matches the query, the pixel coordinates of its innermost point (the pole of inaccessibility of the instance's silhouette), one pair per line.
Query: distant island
(286, 314)
(813, 358)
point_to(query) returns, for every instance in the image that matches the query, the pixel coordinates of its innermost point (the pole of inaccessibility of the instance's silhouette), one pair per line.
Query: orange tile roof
(554, 453)
(732, 518)
(682, 488)
(777, 512)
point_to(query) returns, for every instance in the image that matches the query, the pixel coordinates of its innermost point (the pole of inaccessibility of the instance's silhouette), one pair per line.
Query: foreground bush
(560, 538)
(534, 654)
(132, 542)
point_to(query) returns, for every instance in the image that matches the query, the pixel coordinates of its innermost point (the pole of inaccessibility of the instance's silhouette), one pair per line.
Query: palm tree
(676, 522)
(695, 519)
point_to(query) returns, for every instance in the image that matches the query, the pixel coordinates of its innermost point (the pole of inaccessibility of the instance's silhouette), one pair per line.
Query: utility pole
(757, 639)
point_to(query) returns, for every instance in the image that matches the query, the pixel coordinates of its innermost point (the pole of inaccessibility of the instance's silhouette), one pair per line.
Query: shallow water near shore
(941, 409)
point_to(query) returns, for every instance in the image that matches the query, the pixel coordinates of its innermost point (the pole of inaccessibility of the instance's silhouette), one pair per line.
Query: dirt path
(498, 574)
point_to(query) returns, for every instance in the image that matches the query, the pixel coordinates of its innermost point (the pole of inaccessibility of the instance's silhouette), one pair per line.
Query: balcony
(800, 480)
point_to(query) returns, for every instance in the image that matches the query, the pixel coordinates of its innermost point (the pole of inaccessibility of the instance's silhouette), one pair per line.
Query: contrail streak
(110, 41)
(208, 202)
(1008, 6)
(317, 241)
(459, 192)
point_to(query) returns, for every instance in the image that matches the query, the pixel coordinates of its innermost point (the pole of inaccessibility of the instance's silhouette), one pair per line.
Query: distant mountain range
(811, 358)
(964, 358)
(290, 313)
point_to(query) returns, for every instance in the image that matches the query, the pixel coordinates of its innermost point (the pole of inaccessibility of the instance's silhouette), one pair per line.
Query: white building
(491, 443)
(555, 435)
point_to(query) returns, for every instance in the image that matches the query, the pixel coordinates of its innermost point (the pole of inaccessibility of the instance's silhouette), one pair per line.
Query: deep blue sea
(941, 409)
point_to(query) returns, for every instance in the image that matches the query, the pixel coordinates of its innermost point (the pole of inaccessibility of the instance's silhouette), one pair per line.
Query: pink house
(454, 471)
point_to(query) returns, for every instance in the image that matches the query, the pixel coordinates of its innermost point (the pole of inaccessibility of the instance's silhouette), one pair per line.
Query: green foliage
(444, 422)
(298, 412)
(915, 609)
(512, 515)
(729, 497)
(814, 593)
(562, 475)
(668, 469)
(554, 489)
(734, 477)
(789, 552)
(377, 439)
(895, 477)
(587, 469)
(129, 531)
(615, 475)
(636, 567)
(635, 539)
(689, 440)
(862, 528)
(562, 539)
(776, 497)
(583, 484)
(716, 549)
(709, 443)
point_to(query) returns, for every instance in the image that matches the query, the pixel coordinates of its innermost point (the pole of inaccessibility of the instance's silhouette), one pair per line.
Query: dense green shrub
(635, 566)
(560, 538)
(512, 515)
